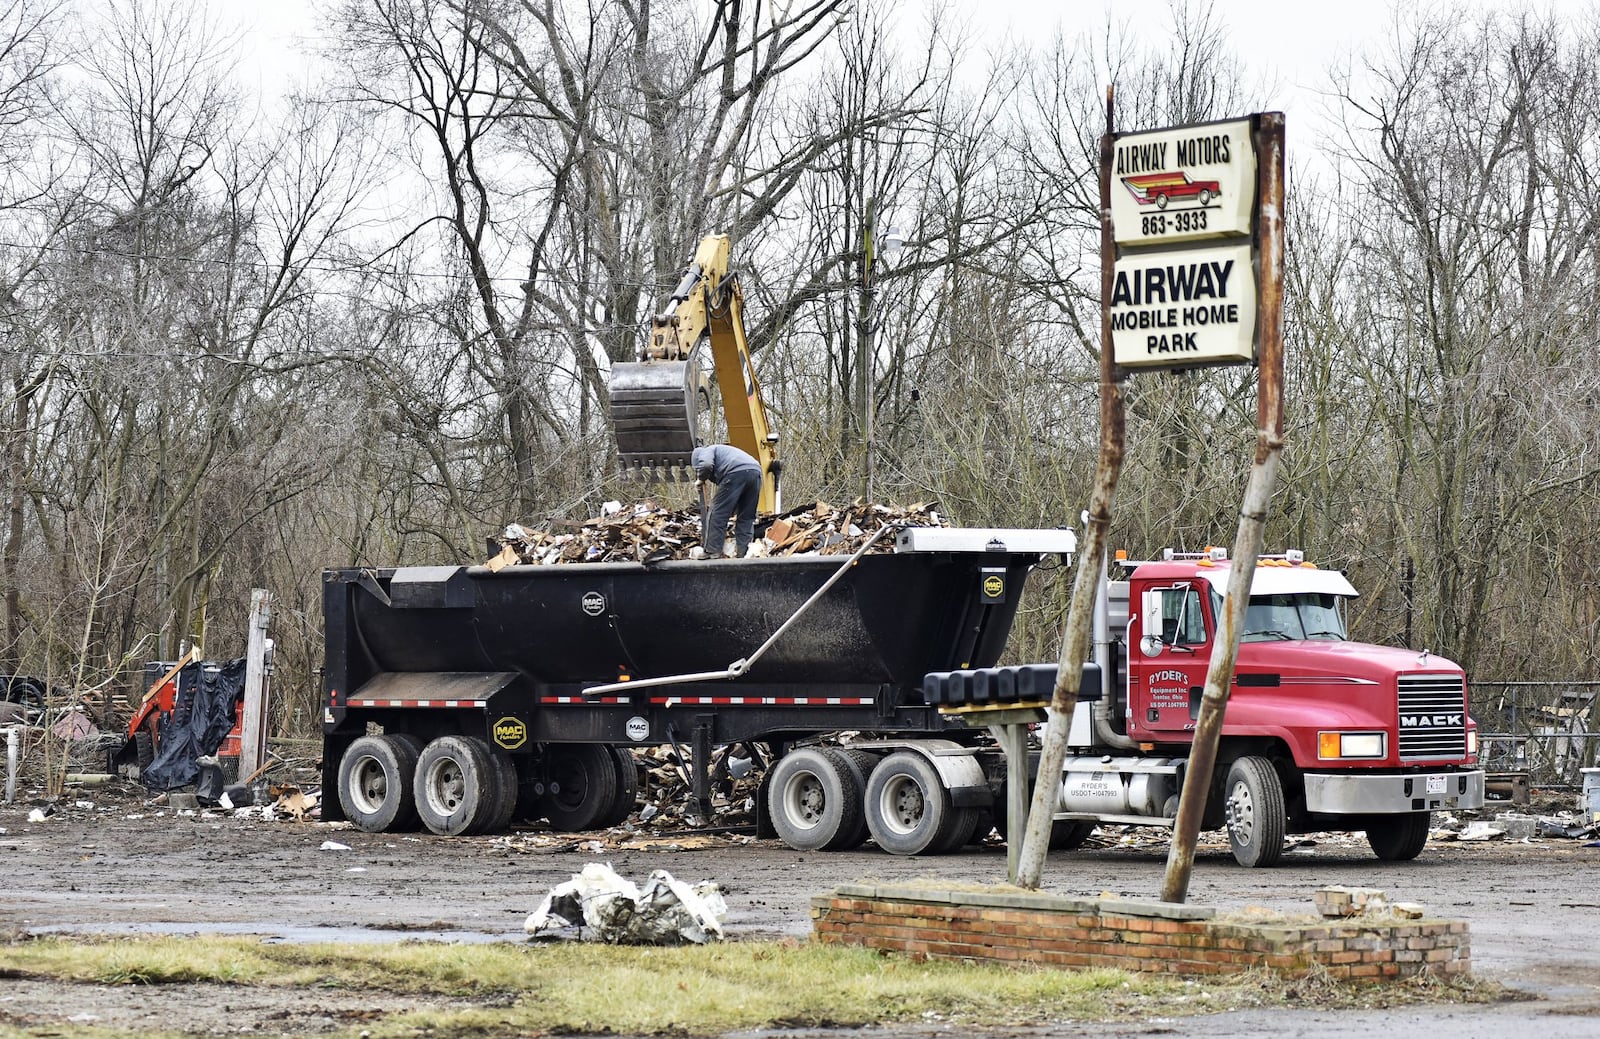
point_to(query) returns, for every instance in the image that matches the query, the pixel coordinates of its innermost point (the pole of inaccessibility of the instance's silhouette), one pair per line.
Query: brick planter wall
(1011, 925)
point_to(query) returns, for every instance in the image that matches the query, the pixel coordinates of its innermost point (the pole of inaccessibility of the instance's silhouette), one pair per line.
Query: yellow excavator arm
(656, 400)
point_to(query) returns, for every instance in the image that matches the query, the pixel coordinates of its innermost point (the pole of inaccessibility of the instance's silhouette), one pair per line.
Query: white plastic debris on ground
(666, 912)
(1480, 831)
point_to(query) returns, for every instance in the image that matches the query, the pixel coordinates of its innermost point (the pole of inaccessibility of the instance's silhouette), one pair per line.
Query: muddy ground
(107, 862)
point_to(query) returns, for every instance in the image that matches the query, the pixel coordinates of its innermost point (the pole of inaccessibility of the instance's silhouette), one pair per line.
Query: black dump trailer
(464, 698)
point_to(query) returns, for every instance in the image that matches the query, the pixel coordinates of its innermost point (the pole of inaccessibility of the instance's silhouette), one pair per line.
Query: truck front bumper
(1341, 793)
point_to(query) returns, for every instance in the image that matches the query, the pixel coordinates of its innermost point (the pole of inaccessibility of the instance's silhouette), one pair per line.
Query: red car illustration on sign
(1160, 188)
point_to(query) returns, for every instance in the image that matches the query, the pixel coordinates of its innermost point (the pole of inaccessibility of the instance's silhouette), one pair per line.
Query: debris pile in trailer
(650, 532)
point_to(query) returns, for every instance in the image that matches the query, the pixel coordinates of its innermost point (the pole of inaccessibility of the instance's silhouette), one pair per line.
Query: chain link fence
(1549, 730)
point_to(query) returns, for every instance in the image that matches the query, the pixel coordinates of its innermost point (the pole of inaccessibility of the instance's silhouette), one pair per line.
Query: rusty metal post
(1075, 641)
(1268, 131)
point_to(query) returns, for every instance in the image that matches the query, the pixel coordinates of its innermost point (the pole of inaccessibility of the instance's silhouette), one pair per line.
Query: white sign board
(1180, 307)
(1183, 185)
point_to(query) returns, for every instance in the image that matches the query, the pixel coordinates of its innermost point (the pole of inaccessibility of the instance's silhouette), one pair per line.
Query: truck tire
(1399, 838)
(583, 785)
(1255, 812)
(375, 780)
(860, 763)
(814, 800)
(456, 788)
(909, 810)
(1065, 834)
(627, 796)
(504, 771)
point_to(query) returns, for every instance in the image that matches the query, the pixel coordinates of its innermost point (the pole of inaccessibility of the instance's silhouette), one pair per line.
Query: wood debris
(647, 532)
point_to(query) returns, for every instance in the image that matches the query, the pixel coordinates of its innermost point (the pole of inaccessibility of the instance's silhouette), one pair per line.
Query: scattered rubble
(650, 533)
(1338, 901)
(612, 910)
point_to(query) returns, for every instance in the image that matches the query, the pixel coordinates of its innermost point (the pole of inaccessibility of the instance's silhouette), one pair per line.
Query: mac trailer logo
(1429, 721)
(510, 733)
(593, 603)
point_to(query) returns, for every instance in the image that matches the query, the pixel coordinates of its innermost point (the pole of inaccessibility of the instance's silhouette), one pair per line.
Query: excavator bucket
(655, 412)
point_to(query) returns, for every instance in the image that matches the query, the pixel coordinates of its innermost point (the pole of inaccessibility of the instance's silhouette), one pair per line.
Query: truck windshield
(1302, 615)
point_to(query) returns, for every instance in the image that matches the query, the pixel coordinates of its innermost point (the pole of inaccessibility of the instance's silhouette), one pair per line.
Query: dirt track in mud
(120, 867)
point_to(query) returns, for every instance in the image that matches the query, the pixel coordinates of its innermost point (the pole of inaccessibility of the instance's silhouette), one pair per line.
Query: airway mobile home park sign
(1183, 207)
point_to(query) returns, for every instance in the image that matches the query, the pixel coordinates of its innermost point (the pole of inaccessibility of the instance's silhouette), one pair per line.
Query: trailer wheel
(375, 778)
(504, 773)
(814, 800)
(1256, 820)
(1399, 838)
(627, 787)
(455, 786)
(909, 810)
(860, 763)
(583, 785)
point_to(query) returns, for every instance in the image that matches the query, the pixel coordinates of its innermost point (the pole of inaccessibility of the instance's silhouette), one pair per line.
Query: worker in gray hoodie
(738, 480)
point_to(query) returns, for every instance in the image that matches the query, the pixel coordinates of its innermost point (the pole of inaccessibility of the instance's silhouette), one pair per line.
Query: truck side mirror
(1150, 644)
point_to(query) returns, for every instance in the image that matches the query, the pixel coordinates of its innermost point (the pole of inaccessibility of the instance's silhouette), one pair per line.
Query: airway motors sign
(1183, 202)
(1183, 185)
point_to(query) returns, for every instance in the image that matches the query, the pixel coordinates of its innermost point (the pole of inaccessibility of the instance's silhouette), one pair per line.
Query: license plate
(1436, 784)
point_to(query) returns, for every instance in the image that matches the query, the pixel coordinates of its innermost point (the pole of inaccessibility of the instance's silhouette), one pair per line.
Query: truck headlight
(1332, 746)
(1472, 743)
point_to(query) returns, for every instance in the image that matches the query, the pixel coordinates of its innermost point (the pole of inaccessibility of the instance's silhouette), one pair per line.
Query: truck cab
(1356, 736)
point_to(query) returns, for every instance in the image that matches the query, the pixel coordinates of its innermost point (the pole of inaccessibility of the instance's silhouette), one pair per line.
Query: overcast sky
(1285, 46)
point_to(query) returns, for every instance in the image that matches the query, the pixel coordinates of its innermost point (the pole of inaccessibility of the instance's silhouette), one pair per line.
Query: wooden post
(253, 741)
(1014, 740)
(1269, 141)
(1085, 588)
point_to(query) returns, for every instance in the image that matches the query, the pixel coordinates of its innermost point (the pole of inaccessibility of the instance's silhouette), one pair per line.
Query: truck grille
(1433, 717)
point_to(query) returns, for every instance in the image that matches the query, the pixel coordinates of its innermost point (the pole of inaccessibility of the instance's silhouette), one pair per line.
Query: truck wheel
(1399, 838)
(583, 785)
(909, 810)
(1256, 820)
(375, 777)
(504, 771)
(963, 828)
(627, 787)
(860, 764)
(1065, 834)
(814, 800)
(456, 787)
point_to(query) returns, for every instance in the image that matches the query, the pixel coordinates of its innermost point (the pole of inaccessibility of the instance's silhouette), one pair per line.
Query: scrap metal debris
(650, 533)
(666, 912)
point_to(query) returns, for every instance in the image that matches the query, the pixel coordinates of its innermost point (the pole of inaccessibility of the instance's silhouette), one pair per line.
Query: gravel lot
(109, 863)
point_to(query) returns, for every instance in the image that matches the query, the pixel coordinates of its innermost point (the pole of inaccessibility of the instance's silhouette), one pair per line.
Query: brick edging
(1010, 925)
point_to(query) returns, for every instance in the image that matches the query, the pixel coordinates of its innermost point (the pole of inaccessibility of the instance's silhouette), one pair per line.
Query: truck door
(1169, 662)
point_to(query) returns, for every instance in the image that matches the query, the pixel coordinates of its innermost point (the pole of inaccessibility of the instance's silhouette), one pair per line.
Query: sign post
(1191, 276)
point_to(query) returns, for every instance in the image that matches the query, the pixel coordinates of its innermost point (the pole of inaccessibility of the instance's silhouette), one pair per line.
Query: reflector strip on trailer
(579, 699)
(765, 701)
(416, 703)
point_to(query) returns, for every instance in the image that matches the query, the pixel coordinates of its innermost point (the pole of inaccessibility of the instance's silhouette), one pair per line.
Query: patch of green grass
(506, 989)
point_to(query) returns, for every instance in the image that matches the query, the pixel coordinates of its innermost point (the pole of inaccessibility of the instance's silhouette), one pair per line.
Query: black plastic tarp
(203, 713)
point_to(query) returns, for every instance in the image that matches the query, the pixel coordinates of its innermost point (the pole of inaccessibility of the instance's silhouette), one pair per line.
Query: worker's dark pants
(737, 496)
